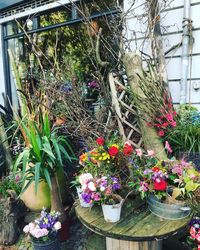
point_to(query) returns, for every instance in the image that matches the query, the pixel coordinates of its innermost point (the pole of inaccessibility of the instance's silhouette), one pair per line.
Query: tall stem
(56, 202)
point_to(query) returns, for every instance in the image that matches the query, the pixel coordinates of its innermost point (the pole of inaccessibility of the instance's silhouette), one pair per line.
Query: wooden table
(138, 228)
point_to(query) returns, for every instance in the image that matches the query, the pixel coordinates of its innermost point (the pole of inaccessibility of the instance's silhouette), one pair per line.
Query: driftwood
(11, 210)
(133, 66)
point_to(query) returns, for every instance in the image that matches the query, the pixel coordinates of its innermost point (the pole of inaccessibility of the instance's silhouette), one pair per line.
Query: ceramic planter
(112, 213)
(49, 245)
(82, 202)
(168, 211)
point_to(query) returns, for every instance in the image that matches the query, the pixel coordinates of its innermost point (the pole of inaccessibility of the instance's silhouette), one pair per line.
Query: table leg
(113, 244)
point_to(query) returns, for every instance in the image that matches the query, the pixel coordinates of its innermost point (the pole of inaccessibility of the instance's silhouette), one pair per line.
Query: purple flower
(93, 85)
(86, 197)
(147, 171)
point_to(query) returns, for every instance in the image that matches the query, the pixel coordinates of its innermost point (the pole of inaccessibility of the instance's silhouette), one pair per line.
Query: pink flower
(169, 117)
(138, 152)
(85, 178)
(173, 123)
(161, 133)
(150, 152)
(57, 225)
(198, 236)
(193, 232)
(91, 186)
(168, 147)
(26, 229)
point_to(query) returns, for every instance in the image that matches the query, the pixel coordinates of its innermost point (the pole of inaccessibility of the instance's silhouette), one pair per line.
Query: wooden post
(133, 66)
(113, 244)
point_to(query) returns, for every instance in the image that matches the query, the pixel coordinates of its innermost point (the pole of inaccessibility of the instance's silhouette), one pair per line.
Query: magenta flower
(168, 147)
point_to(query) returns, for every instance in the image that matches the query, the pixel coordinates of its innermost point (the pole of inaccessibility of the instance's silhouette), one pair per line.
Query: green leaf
(47, 147)
(27, 185)
(37, 175)
(47, 130)
(25, 159)
(57, 150)
(47, 177)
(63, 150)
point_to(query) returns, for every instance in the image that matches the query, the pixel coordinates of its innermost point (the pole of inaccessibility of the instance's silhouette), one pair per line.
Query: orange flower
(83, 157)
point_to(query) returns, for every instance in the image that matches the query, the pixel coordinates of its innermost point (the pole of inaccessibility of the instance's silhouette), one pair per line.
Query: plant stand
(113, 244)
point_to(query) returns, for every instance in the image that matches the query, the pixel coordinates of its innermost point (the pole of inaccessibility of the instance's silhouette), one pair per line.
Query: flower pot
(49, 245)
(35, 202)
(82, 202)
(112, 213)
(167, 211)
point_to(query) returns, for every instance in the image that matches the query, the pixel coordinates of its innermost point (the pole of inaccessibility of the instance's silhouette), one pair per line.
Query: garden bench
(138, 228)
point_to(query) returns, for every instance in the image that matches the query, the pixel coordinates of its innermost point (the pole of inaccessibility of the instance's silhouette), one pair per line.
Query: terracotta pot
(35, 202)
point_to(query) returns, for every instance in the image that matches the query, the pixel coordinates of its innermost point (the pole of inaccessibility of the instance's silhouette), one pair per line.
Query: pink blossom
(168, 147)
(193, 232)
(57, 225)
(26, 229)
(85, 178)
(138, 152)
(169, 117)
(91, 186)
(161, 133)
(150, 152)
(173, 123)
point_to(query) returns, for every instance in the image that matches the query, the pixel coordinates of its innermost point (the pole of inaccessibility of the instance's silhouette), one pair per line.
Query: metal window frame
(6, 37)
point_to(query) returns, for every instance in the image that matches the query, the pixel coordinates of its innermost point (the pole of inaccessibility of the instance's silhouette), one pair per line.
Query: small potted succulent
(43, 231)
(102, 191)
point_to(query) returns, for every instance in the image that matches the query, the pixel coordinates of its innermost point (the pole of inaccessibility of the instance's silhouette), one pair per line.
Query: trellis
(124, 110)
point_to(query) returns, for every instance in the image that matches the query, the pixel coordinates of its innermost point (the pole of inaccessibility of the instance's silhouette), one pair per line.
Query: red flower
(165, 124)
(113, 151)
(128, 149)
(161, 133)
(100, 141)
(155, 169)
(160, 185)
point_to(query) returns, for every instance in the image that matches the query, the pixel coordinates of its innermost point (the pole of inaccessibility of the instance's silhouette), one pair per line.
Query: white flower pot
(112, 213)
(82, 202)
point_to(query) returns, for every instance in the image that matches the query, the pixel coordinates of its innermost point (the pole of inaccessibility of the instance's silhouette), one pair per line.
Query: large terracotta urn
(35, 202)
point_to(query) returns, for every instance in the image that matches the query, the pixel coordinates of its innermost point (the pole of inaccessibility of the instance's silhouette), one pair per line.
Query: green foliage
(185, 136)
(44, 155)
(11, 182)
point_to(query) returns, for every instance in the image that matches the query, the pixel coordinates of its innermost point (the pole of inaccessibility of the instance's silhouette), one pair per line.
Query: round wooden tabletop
(137, 223)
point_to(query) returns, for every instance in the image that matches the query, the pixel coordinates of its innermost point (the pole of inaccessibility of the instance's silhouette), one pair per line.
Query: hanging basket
(49, 245)
(168, 211)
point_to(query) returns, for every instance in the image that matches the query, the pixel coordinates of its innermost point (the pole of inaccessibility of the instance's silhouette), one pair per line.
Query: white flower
(85, 178)
(102, 188)
(31, 225)
(57, 225)
(26, 229)
(91, 186)
(84, 187)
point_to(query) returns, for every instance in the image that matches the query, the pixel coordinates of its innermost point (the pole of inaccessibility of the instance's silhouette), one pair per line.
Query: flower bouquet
(102, 190)
(106, 158)
(167, 185)
(43, 231)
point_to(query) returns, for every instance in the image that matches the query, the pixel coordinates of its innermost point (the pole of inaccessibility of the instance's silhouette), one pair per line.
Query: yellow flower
(115, 145)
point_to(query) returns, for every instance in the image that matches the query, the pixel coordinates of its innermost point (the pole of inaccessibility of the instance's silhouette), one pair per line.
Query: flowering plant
(100, 190)
(44, 228)
(153, 176)
(194, 238)
(106, 158)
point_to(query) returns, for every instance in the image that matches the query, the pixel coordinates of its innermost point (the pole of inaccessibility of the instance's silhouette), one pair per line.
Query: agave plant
(43, 155)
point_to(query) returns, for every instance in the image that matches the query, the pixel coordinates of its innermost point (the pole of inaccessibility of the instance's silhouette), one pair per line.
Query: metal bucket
(167, 211)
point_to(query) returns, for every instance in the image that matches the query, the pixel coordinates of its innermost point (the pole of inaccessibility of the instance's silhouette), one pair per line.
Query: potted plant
(79, 182)
(43, 157)
(102, 191)
(43, 231)
(167, 185)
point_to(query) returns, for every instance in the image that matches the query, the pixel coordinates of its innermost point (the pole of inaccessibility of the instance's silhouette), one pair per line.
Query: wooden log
(133, 65)
(113, 244)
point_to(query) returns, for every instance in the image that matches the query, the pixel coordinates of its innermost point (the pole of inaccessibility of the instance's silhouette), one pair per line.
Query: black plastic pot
(49, 245)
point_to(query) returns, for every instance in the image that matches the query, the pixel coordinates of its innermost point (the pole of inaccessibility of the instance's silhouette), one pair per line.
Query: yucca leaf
(27, 185)
(47, 177)
(37, 175)
(47, 130)
(64, 152)
(57, 150)
(47, 147)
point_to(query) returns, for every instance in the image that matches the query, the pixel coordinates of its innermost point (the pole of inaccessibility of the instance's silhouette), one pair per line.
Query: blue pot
(49, 245)
(167, 211)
